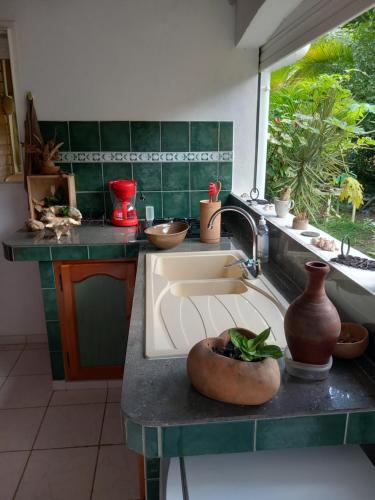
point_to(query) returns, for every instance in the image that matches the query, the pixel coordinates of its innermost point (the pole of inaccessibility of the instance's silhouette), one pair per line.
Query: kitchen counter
(164, 415)
(44, 246)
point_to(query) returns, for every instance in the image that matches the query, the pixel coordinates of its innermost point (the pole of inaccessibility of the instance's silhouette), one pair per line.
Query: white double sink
(192, 295)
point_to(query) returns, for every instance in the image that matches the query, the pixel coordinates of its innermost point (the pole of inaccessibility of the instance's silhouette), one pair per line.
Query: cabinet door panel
(95, 301)
(102, 323)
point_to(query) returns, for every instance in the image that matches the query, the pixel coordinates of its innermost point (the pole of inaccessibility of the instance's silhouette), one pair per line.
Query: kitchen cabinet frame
(67, 273)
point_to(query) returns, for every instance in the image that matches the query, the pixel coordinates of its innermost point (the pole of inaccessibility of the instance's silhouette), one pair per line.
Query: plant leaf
(261, 338)
(269, 351)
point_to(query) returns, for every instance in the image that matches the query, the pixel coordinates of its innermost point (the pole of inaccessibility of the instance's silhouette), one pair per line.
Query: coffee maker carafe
(123, 194)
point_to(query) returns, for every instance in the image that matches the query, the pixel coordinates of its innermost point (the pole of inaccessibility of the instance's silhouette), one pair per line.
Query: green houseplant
(236, 367)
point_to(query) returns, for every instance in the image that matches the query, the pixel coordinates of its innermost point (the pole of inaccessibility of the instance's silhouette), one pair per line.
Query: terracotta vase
(312, 324)
(230, 380)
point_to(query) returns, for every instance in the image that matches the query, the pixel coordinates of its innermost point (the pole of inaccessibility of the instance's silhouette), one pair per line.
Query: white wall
(245, 13)
(21, 309)
(137, 60)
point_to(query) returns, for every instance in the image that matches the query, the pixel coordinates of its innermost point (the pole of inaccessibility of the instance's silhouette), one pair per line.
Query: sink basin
(202, 288)
(191, 296)
(195, 266)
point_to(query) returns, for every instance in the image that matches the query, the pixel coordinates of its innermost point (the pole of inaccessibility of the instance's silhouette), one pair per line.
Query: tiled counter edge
(156, 443)
(251, 435)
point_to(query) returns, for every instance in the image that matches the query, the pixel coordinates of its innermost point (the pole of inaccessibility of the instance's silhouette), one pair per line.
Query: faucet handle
(251, 265)
(237, 262)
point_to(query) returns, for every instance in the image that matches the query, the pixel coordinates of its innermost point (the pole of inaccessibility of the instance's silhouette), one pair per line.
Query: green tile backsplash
(204, 136)
(175, 136)
(148, 176)
(175, 177)
(88, 176)
(173, 162)
(61, 129)
(203, 173)
(115, 171)
(145, 136)
(115, 136)
(84, 136)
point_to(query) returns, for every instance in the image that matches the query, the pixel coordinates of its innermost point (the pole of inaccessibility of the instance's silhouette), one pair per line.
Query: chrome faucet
(252, 265)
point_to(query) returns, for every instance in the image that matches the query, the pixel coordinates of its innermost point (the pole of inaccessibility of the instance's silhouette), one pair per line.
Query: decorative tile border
(143, 157)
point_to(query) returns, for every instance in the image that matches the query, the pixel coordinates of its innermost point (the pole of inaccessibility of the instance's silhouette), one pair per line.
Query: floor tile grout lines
(15, 362)
(107, 445)
(98, 450)
(32, 446)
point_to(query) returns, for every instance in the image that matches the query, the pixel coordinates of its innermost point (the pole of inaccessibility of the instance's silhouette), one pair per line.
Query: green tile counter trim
(228, 437)
(32, 253)
(300, 432)
(69, 252)
(47, 280)
(74, 252)
(361, 428)
(152, 478)
(251, 435)
(173, 162)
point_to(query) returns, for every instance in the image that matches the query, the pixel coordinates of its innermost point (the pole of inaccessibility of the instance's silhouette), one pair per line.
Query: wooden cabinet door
(95, 300)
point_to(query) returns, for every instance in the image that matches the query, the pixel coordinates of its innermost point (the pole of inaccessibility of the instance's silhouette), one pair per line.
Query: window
(10, 154)
(321, 141)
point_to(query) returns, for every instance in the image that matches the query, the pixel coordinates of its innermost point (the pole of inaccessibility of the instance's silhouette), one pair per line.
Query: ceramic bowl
(358, 344)
(168, 235)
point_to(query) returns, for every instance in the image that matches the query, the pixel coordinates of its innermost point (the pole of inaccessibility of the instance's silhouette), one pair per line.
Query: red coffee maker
(123, 195)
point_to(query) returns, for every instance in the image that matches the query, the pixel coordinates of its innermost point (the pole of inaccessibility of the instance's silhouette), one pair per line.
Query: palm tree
(328, 55)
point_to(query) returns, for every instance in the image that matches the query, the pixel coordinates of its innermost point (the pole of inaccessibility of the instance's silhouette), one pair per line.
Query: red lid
(124, 187)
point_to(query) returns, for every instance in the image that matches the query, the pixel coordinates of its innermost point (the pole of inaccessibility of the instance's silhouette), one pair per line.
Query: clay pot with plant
(283, 203)
(300, 221)
(236, 367)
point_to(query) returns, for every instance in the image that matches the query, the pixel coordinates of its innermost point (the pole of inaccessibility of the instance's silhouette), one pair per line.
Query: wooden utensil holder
(206, 210)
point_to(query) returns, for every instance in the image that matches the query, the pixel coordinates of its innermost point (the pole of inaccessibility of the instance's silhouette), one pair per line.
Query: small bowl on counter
(169, 235)
(352, 342)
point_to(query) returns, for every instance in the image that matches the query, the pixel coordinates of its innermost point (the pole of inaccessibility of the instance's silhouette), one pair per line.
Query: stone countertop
(82, 235)
(84, 242)
(158, 392)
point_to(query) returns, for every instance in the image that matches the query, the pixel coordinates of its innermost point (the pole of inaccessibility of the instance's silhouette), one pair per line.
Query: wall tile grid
(173, 162)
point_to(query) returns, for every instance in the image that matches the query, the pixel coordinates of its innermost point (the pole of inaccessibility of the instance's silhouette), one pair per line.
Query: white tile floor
(59, 445)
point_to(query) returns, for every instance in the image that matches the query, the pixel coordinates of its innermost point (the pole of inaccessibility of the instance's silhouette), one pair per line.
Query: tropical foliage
(313, 125)
(321, 121)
